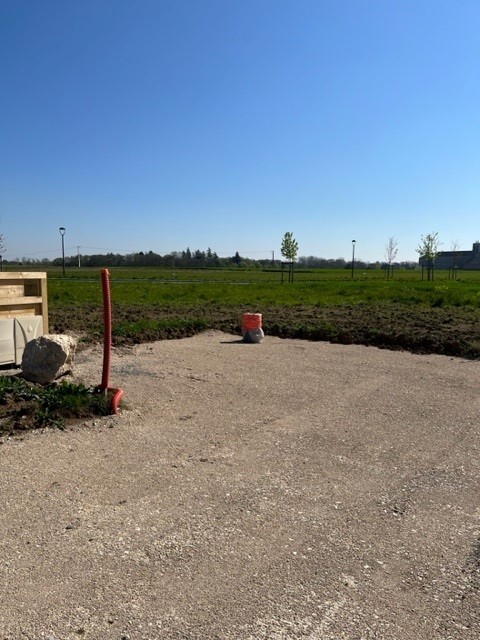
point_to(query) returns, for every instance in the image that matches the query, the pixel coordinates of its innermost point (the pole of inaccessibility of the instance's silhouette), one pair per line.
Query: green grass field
(326, 287)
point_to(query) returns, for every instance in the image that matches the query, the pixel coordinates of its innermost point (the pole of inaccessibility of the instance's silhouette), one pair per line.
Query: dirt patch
(284, 490)
(447, 331)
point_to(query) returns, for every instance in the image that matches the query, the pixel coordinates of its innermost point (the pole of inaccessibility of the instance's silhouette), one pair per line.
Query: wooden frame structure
(23, 312)
(24, 294)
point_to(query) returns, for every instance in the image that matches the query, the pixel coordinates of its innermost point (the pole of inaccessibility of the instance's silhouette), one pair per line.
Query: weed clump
(25, 406)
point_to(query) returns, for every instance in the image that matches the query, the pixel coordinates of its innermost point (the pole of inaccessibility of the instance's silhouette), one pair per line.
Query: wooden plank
(14, 289)
(20, 301)
(22, 275)
(27, 310)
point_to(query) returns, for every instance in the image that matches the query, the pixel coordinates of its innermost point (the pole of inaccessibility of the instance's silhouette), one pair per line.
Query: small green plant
(27, 406)
(12, 386)
(69, 401)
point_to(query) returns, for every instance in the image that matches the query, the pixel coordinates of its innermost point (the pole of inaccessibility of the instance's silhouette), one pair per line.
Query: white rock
(48, 357)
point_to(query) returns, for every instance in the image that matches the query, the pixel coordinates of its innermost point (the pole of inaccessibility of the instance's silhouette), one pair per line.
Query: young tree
(427, 250)
(454, 247)
(391, 250)
(289, 250)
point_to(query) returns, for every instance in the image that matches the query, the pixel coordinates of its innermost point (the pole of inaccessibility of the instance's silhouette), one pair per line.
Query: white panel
(7, 345)
(26, 328)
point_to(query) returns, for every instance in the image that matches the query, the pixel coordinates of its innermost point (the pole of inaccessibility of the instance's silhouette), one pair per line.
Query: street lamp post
(62, 231)
(353, 257)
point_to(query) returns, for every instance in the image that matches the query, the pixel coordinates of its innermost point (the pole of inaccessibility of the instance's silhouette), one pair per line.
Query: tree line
(176, 259)
(189, 259)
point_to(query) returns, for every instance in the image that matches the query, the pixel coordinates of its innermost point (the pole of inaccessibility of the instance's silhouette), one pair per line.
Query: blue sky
(161, 124)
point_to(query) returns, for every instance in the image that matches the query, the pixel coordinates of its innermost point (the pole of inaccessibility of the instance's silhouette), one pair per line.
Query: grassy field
(311, 287)
(250, 275)
(405, 312)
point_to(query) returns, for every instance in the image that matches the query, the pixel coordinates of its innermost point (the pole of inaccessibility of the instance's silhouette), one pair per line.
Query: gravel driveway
(283, 490)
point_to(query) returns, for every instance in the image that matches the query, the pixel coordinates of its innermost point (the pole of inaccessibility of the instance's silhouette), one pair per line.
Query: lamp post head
(353, 241)
(62, 231)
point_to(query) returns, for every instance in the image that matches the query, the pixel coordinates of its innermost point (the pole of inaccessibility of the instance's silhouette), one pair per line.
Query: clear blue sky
(161, 124)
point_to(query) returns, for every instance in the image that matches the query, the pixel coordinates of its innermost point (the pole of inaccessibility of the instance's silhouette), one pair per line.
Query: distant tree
(289, 250)
(428, 250)
(408, 264)
(391, 250)
(454, 247)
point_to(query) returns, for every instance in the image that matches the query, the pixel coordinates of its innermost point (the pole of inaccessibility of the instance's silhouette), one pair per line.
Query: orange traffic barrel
(252, 327)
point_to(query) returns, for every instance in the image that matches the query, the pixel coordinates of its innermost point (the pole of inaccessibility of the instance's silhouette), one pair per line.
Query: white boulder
(48, 357)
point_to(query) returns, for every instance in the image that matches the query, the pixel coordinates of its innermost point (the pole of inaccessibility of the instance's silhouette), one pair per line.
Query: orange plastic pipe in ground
(117, 394)
(107, 328)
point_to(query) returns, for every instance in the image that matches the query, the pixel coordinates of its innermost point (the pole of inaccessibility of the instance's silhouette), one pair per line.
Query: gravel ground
(276, 491)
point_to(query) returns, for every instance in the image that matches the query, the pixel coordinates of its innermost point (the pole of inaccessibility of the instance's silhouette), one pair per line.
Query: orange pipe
(117, 394)
(107, 328)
